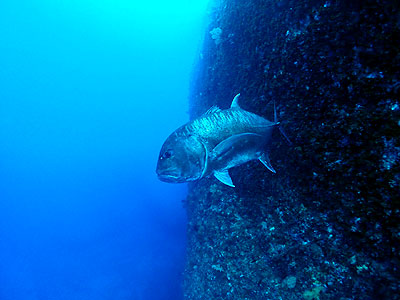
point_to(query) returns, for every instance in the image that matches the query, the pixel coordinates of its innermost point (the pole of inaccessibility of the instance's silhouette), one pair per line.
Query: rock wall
(326, 225)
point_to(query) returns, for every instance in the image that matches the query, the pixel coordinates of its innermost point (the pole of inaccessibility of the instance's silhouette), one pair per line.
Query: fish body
(214, 143)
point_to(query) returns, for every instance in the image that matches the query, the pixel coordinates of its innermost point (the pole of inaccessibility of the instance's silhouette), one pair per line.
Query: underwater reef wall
(326, 225)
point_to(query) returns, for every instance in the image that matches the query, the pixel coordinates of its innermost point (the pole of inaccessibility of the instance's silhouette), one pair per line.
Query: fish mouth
(168, 178)
(168, 175)
(171, 175)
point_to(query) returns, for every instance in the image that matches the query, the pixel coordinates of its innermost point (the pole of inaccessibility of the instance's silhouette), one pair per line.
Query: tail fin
(280, 128)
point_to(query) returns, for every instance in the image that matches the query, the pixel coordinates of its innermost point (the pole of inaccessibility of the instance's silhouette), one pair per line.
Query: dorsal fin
(213, 109)
(235, 103)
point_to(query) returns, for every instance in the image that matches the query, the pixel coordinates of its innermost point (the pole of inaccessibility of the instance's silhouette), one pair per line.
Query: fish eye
(167, 154)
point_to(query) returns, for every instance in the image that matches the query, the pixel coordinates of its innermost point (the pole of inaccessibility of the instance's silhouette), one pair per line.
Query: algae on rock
(330, 216)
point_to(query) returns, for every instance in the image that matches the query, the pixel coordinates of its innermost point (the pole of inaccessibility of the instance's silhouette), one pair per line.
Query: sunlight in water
(123, 11)
(121, 19)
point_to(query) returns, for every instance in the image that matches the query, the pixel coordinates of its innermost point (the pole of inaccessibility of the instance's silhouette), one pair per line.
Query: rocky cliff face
(327, 225)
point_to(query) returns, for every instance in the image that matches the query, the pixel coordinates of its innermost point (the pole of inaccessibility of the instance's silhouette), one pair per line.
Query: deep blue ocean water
(89, 90)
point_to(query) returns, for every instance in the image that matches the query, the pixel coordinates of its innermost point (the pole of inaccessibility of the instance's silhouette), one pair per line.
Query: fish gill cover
(326, 225)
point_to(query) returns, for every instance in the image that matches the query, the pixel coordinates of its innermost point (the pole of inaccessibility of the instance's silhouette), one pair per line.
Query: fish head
(181, 159)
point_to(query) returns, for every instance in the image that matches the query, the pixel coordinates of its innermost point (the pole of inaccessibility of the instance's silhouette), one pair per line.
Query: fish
(215, 142)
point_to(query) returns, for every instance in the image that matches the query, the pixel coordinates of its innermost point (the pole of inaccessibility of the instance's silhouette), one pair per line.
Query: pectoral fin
(227, 147)
(224, 177)
(264, 158)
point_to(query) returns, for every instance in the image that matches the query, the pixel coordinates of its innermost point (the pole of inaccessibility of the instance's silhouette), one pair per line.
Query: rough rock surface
(327, 225)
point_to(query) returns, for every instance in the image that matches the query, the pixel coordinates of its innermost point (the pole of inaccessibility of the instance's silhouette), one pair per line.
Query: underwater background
(88, 92)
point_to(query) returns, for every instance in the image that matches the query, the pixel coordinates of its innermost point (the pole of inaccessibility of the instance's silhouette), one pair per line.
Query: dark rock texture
(327, 225)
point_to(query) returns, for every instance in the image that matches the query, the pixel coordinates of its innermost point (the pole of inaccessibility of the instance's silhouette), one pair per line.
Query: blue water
(88, 92)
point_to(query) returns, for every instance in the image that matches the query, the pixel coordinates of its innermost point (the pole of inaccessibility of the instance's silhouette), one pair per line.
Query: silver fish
(214, 143)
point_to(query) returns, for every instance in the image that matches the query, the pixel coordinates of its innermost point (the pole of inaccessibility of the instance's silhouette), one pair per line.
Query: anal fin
(264, 158)
(224, 177)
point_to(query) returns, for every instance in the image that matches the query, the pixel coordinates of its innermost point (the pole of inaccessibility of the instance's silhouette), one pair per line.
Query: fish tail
(285, 136)
(280, 128)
